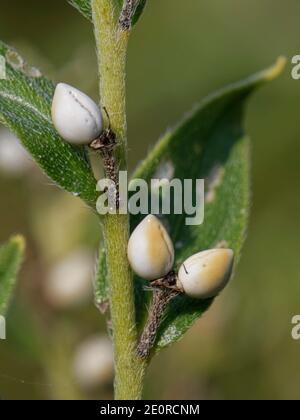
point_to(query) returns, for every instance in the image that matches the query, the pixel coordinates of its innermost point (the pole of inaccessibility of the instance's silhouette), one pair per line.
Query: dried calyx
(151, 256)
(105, 143)
(164, 291)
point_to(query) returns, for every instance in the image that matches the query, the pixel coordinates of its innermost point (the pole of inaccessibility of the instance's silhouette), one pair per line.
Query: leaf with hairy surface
(11, 258)
(25, 108)
(209, 144)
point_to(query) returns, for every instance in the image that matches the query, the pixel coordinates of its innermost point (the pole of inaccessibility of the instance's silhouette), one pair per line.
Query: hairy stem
(112, 49)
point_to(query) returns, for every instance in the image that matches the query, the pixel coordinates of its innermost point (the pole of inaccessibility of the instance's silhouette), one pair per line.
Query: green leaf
(138, 11)
(25, 108)
(84, 7)
(11, 257)
(209, 144)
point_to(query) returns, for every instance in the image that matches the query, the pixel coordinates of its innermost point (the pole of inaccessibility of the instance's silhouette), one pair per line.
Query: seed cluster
(201, 276)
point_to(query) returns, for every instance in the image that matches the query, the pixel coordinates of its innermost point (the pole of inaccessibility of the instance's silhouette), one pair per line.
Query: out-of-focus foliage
(11, 257)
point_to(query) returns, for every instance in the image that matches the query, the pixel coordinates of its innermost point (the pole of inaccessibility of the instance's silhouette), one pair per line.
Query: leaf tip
(276, 69)
(19, 242)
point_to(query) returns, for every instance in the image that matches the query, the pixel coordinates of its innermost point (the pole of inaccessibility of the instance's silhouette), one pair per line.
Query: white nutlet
(76, 117)
(150, 249)
(206, 273)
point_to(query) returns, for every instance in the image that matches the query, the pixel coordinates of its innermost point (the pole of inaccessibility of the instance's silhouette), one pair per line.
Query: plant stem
(112, 49)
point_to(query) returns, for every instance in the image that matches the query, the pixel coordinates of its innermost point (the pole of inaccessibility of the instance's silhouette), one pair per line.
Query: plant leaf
(101, 283)
(138, 11)
(209, 144)
(11, 258)
(85, 8)
(25, 108)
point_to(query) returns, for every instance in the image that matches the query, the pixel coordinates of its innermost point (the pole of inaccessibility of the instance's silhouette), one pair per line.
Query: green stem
(112, 50)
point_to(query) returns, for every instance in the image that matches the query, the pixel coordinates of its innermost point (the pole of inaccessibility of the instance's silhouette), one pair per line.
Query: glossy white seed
(205, 274)
(76, 117)
(150, 249)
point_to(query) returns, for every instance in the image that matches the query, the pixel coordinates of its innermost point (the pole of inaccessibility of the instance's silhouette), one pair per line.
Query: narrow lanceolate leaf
(25, 108)
(139, 10)
(11, 257)
(101, 283)
(209, 144)
(85, 7)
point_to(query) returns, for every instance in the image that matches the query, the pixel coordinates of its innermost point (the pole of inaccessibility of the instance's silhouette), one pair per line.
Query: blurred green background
(179, 52)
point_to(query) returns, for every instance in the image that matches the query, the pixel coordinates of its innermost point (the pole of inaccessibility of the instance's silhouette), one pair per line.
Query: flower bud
(150, 249)
(76, 117)
(205, 274)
